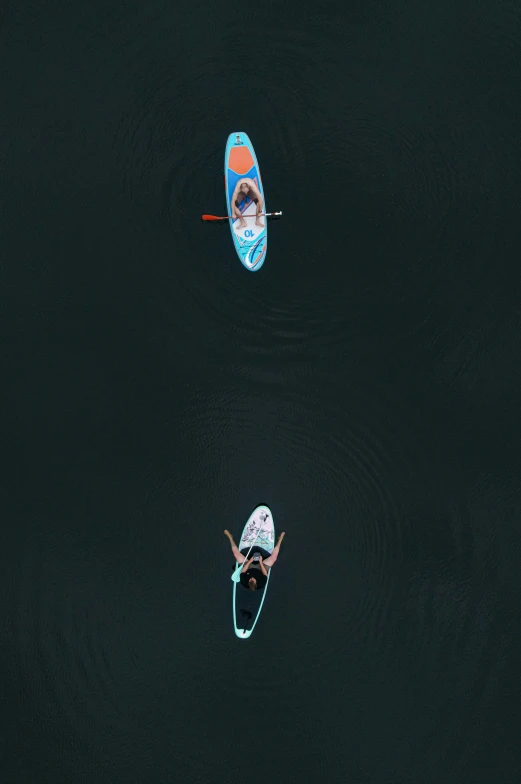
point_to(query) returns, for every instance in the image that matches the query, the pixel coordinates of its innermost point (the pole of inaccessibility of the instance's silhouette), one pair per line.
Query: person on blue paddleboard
(255, 570)
(246, 189)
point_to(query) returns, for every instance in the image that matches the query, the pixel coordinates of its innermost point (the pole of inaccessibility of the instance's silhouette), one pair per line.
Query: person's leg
(239, 557)
(238, 214)
(273, 557)
(258, 221)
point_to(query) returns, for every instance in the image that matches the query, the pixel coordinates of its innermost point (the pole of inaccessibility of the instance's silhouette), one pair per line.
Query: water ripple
(169, 170)
(297, 441)
(63, 646)
(4, 9)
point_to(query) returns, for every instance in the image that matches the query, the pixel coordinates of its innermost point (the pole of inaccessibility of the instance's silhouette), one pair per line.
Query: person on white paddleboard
(245, 189)
(255, 572)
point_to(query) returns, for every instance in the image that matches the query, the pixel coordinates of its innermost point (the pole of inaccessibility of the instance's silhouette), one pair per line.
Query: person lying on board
(250, 571)
(246, 189)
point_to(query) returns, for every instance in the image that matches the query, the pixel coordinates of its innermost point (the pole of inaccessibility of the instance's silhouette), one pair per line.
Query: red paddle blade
(212, 217)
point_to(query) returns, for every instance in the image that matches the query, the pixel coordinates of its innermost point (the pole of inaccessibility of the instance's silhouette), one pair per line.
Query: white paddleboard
(259, 534)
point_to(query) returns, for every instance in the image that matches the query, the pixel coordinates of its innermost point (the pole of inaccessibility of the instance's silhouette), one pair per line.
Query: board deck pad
(240, 161)
(259, 532)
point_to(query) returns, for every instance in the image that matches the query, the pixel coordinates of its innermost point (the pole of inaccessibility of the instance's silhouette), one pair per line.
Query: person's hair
(252, 586)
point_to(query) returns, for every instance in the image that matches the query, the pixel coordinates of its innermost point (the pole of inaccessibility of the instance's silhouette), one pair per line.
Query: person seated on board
(246, 189)
(254, 574)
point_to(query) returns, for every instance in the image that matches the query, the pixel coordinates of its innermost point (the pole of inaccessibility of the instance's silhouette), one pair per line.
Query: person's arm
(275, 554)
(235, 210)
(239, 557)
(258, 196)
(246, 564)
(262, 567)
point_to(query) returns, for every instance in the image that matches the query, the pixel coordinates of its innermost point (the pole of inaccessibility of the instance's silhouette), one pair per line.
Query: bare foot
(242, 225)
(259, 223)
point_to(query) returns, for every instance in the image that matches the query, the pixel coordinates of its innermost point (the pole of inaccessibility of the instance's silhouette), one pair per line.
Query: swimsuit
(244, 197)
(253, 571)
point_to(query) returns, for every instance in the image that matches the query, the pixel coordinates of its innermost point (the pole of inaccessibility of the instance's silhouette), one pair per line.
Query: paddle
(236, 576)
(234, 217)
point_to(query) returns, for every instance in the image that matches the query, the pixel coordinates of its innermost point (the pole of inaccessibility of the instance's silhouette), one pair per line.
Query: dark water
(365, 384)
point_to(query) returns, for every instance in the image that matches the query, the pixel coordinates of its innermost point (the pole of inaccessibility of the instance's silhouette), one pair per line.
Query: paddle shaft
(234, 217)
(246, 557)
(249, 551)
